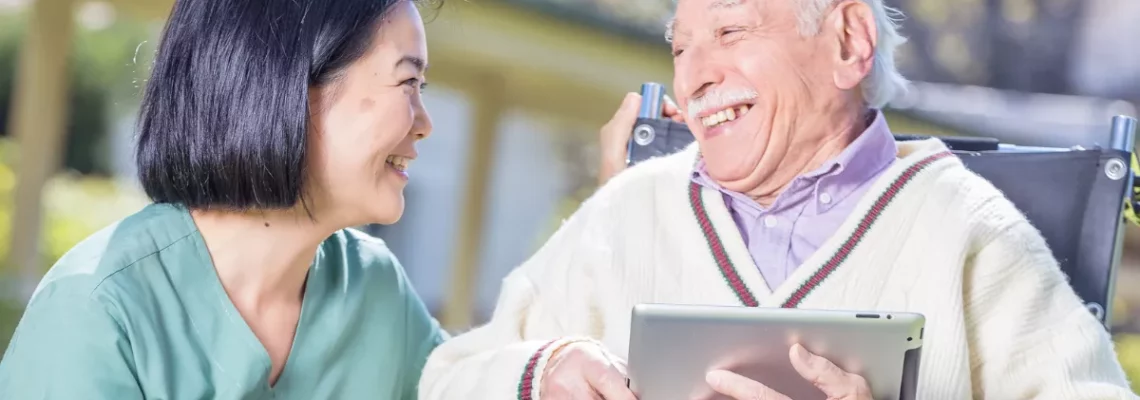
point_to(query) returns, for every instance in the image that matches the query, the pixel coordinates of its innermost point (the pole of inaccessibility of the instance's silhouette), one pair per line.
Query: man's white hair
(885, 82)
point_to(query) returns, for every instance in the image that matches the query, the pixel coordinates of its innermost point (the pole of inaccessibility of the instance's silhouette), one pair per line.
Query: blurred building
(520, 88)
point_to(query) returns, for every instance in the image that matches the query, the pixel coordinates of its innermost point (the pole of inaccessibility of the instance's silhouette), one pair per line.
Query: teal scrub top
(136, 311)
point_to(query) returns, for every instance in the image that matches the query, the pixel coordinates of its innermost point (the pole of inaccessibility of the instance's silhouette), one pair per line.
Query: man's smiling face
(748, 77)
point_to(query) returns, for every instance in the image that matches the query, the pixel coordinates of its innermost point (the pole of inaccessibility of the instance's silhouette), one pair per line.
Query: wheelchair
(1077, 198)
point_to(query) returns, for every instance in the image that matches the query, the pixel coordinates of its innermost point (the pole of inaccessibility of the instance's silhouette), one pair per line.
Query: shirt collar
(872, 151)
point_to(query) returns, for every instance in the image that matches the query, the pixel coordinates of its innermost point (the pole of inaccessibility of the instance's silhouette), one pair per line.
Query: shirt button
(770, 221)
(825, 198)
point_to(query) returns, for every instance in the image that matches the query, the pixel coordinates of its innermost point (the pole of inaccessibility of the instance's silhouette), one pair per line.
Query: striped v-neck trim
(716, 246)
(740, 288)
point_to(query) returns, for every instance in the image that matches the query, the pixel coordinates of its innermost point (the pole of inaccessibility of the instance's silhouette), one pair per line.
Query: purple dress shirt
(812, 208)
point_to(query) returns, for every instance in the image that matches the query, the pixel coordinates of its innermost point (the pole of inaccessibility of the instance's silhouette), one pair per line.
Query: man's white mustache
(718, 99)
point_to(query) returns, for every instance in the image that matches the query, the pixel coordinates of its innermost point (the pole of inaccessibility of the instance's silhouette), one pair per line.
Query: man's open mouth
(725, 115)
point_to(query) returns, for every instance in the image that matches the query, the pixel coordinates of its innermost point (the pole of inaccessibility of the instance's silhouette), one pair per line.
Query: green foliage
(9, 316)
(1128, 352)
(75, 206)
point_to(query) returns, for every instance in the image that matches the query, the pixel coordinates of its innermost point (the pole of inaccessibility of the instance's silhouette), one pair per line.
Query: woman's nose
(423, 126)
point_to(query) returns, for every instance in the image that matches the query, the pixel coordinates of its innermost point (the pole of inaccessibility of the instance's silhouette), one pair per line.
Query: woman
(267, 128)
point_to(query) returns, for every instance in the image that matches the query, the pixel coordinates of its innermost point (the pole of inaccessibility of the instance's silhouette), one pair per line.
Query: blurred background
(519, 89)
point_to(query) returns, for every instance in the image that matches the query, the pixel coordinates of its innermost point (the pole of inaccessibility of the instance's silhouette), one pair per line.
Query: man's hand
(614, 135)
(834, 382)
(584, 370)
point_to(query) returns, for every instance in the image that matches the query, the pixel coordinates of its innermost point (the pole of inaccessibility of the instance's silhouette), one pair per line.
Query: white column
(488, 105)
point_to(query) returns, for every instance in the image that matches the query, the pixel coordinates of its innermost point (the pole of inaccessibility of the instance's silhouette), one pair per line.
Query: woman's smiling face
(365, 125)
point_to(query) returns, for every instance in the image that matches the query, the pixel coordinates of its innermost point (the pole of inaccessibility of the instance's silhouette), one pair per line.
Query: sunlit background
(519, 89)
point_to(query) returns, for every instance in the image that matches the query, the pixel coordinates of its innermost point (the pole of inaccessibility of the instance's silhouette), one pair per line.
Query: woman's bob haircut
(224, 118)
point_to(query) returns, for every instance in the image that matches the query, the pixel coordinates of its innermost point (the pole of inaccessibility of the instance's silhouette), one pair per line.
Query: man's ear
(853, 25)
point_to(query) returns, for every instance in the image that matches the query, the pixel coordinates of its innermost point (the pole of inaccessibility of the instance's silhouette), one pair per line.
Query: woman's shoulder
(370, 249)
(78, 320)
(358, 252)
(355, 256)
(364, 270)
(371, 284)
(105, 255)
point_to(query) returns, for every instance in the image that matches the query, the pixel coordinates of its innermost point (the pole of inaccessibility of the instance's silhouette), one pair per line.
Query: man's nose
(697, 72)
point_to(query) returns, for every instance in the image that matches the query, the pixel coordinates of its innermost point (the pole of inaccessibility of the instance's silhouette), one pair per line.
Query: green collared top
(136, 311)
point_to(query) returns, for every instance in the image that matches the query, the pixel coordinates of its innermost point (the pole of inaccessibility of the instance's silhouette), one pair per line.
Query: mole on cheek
(367, 103)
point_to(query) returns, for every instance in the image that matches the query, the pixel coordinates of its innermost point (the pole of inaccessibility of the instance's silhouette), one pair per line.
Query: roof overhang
(551, 65)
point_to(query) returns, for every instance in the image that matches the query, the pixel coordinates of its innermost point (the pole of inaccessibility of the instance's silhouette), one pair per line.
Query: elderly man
(795, 195)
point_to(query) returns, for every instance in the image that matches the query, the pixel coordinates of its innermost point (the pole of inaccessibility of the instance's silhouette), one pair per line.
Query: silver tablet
(671, 347)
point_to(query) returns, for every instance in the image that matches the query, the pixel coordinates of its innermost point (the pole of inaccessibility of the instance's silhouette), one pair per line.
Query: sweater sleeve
(1030, 335)
(543, 304)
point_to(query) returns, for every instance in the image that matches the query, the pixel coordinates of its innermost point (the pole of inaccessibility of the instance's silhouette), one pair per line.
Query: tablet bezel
(672, 346)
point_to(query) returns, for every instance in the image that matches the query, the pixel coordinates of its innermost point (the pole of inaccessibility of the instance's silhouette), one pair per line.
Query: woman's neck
(262, 257)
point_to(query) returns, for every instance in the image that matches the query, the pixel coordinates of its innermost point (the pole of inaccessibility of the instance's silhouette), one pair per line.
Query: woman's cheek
(397, 124)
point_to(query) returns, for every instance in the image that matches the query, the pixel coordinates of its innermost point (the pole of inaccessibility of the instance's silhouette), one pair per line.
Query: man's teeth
(725, 115)
(399, 163)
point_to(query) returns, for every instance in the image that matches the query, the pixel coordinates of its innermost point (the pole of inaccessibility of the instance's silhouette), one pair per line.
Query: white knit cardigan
(928, 237)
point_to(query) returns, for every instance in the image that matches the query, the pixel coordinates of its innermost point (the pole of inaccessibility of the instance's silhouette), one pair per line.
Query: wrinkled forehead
(709, 3)
(686, 9)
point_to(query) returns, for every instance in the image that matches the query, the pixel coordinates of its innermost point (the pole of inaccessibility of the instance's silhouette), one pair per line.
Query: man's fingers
(617, 132)
(618, 364)
(611, 385)
(829, 378)
(740, 388)
(671, 110)
(628, 109)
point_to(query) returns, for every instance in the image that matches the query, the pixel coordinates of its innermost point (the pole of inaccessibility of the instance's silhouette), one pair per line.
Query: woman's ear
(853, 25)
(320, 101)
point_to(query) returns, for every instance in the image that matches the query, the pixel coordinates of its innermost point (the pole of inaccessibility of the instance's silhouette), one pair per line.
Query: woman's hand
(614, 135)
(834, 382)
(584, 370)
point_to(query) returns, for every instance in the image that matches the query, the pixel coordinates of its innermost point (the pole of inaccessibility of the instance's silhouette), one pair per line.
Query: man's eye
(677, 52)
(728, 31)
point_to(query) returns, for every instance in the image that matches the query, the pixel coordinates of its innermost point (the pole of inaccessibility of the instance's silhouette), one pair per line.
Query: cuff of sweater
(530, 384)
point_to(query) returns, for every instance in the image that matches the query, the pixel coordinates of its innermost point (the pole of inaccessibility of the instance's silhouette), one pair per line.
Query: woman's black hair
(224, 117)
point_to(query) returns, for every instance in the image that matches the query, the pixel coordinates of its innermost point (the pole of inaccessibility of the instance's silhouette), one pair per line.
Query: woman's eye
(416, 83)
